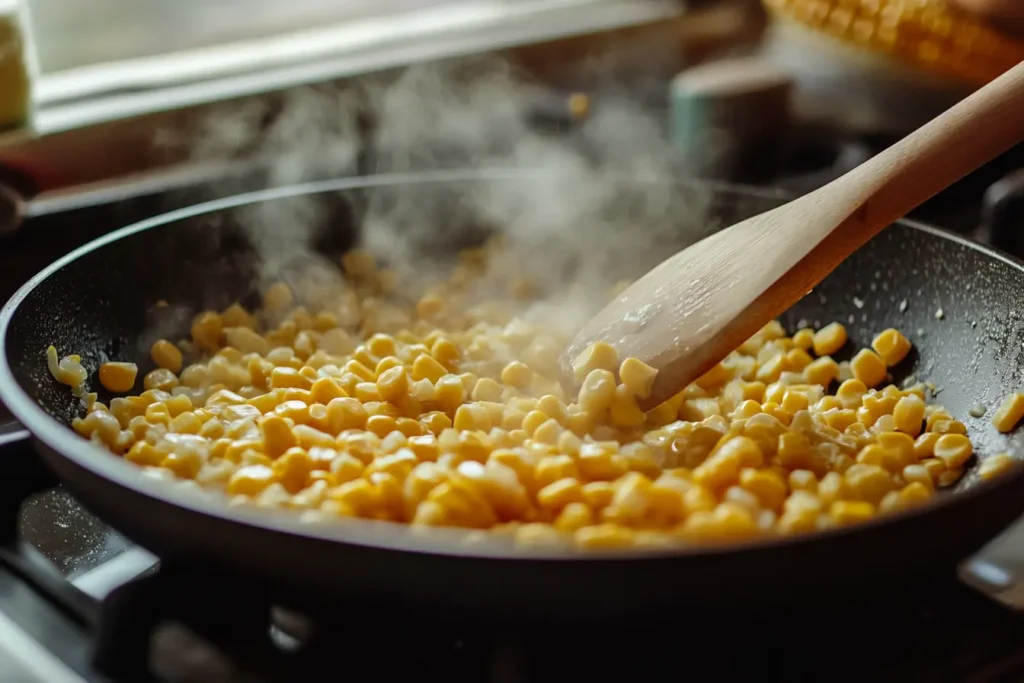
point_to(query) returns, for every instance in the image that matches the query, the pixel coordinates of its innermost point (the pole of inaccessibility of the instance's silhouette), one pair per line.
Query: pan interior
(956, 302)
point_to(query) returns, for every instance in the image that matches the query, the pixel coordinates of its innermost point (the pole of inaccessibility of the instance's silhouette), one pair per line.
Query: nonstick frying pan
(958, 302)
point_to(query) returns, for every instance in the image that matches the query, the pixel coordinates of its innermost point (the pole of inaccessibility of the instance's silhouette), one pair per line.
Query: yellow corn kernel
(1010, 412)
(166, 355)
(794, 401)
(637, 376)
(246, 340)
(909, 415)
(486, 389)
(346, 467)
(603, 537)
(436, 422)
(278, 297)
(426, 367)
(574, 516)
(798, 359)
(532, 421)
(624, 411)
(924, 445)
(144, 455)
(206, 331)
(873, 454)
(934, 466)
(899, 446)
(935, 415)
(891, 346)
(845, 512)
(558, 494)
(804, 339)
(948, 427)
(449, 393)
(538, 536)
(918, 473)
(954, 450)
(548, 432)
(803, 480)
(915, 493)
(446, 353)
(381, 345)
(346, 413)
(250, 480)
(161, 379)
(600, 462)
(325, 390)
(995, 466)
(472, 417)
(118, 377)
(554, 467)
(728, 522)
(722, 467)
(288, 378)
(868, 482)
(868, 367)
(310, 437)
(517, 375)
(715, 377)
(157, 412)
(597, 391)
(598, 494)
(393, 384)
(367, 392)
(398, 465)
(829, 339)
(771, 369)
(409, 427)
(236, 316)
(381, 425)
(949, 477)
(794, 450)
(833, 487)
(598, 356)
(293, 468)
(186, 423)
(767, 485)
(851, 392)
(277, 435)
(430, 306)
(296, 411)
(358, 495)
(822, 371)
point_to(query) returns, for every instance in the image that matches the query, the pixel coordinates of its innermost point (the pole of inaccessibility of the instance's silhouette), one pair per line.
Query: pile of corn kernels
(443, 411)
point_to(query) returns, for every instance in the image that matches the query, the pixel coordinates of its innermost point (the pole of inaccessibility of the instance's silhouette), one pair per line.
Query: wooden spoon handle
(917, 167)
(689, 312)
(891, 184)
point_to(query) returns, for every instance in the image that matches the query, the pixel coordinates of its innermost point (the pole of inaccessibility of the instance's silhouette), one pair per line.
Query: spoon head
(688, 313)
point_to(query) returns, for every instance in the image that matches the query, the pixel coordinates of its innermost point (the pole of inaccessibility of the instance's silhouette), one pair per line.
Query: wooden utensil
(693, 309)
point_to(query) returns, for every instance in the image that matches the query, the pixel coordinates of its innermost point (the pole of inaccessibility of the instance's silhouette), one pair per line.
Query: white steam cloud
(591, 208)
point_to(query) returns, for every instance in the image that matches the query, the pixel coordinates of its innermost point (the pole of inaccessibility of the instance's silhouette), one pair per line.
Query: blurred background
(784, 92)
(126, 76)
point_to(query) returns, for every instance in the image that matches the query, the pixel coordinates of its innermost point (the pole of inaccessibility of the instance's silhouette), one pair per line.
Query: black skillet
(95, 301)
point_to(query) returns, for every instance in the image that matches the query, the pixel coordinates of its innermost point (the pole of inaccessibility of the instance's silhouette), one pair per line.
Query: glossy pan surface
(960, 304)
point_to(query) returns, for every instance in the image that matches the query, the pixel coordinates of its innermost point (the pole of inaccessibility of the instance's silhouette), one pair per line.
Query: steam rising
(590, 208)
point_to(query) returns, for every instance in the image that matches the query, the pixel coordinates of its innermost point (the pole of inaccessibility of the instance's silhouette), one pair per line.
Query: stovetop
(99, 608)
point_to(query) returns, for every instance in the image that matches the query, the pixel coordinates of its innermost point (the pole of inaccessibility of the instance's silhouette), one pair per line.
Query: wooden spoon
(693, 309)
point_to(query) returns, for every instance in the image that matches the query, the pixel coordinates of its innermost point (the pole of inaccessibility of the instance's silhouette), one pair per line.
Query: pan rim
(392, 536)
